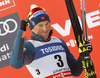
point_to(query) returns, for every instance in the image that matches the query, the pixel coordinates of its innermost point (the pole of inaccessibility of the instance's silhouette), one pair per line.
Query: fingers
(88, 44)
(28, 22)
(24, 24)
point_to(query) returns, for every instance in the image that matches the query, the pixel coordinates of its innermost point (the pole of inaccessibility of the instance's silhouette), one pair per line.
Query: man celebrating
(45, 56)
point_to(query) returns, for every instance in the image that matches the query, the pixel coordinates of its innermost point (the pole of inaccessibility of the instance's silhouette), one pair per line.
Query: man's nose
(45, 28)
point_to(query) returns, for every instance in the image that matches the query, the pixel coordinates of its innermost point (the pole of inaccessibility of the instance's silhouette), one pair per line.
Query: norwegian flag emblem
(43, 18)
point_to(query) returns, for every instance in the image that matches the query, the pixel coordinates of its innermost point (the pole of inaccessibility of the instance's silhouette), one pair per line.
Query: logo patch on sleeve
(24, 49)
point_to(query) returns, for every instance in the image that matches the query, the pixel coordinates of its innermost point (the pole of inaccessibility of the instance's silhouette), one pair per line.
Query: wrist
(23, 28)
(23, 34)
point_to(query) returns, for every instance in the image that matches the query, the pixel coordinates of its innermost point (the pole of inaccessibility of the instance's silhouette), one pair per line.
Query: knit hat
(36, 15)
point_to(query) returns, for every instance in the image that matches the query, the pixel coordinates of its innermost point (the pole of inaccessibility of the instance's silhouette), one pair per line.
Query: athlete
(44, 56)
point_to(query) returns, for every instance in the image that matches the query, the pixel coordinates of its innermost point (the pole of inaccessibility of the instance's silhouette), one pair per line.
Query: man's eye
(47, 23)
(40, 25)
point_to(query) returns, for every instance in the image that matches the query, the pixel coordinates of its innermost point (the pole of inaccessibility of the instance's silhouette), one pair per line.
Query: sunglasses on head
(35, 10)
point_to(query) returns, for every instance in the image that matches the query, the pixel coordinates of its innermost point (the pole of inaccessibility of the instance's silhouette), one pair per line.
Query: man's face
(42, 28)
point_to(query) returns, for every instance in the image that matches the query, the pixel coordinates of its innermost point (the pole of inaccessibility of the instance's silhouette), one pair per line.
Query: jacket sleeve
(21, 51)
(75, 65)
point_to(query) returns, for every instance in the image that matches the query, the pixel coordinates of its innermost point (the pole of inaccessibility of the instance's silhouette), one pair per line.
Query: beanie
(36, 15)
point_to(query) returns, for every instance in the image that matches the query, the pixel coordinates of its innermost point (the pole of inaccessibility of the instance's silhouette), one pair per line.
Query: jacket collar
(40, 38)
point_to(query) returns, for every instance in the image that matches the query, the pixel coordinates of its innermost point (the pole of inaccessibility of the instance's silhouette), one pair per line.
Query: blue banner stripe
(48, 49)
